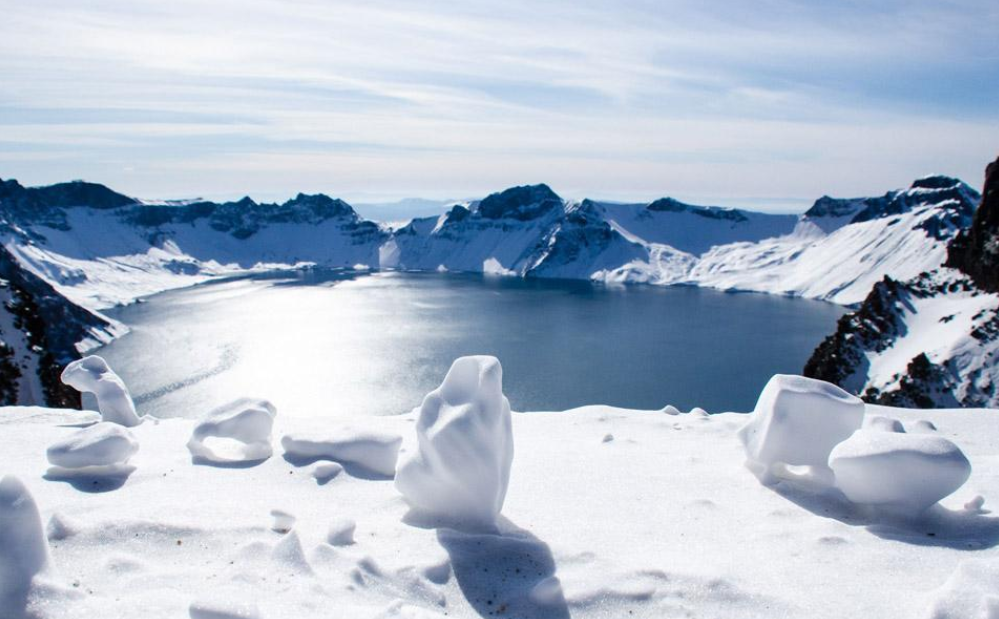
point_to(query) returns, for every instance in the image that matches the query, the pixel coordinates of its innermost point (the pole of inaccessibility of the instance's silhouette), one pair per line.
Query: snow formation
(376, 452)
(24, 553)
(797, 421)
(460, 468)
(897, 471)
(103, 447)
(92, 375)
(239, 432)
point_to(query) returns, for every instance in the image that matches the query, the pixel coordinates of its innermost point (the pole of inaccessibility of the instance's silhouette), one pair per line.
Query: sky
(770, 103)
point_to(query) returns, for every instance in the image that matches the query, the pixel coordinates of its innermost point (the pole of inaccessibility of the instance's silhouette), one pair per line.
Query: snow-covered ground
(609, 513)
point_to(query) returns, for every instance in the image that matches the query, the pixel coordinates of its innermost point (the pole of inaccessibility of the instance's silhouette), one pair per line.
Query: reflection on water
(338, 344)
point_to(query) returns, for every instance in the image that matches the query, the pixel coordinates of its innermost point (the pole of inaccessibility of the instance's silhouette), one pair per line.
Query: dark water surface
(336, 344)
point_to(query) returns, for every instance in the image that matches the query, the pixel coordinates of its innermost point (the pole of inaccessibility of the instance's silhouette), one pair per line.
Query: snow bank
(92, 375)
(798, 421)
(24, 553)
(898, 471)
(103, 447)
(238, 432)
(374, 451)
(460, 468)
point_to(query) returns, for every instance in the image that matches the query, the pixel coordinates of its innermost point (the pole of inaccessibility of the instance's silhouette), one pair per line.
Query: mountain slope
(930, 341)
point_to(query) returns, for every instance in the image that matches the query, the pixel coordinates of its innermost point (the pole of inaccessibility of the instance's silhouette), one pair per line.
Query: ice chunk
(902, 472)
(460, 468)
(374, 451)
(237, 432)
(24, 553)
(669, 409)
(92, 375)
(103, 444)
(341, 533)
(798, 421)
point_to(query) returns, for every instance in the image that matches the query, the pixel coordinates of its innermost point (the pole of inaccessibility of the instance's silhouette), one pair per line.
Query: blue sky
(769, 104)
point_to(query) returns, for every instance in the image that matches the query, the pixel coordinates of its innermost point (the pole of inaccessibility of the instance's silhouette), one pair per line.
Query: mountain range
(84, 247)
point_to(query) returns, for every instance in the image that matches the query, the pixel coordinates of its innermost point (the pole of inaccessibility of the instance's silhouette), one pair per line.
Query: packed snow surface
(663, 521)
(237, 432)
(797, 421)
(906, 472)
(460, 468)
(92, 375)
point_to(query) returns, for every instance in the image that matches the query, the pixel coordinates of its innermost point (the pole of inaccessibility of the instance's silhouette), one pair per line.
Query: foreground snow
(609, 513)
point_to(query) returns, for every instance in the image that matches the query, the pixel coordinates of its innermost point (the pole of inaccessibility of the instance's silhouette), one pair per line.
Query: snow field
(662, 521)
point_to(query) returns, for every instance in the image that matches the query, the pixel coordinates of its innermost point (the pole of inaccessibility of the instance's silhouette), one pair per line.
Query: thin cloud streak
(628, 100)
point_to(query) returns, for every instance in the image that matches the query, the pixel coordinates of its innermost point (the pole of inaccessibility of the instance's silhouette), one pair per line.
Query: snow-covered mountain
(99, 248)
(932, 340)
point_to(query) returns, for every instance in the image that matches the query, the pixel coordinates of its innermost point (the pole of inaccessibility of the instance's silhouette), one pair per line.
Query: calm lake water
(339, 345)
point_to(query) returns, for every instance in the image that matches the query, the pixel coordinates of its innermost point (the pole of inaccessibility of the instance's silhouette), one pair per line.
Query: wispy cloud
(612, 99)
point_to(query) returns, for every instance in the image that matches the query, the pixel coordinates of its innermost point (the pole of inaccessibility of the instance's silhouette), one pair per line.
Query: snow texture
(901, 472)
(970, 593)
(341, 533)
(797, 421)
(239, 432)
(460, 468)
(24, 552)
(92, 375)
(372, 451)
(103, 444)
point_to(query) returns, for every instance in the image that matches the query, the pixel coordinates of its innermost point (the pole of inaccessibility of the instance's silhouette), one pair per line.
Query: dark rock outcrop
(975, 252)
(521, 203)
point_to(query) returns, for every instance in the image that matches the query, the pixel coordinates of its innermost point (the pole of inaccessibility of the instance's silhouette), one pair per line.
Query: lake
(341, 344)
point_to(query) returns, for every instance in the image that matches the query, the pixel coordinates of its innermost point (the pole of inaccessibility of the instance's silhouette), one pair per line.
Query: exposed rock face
(669, 205)
(976, 251)
(930, 341)
(521, 203)
(41, 338)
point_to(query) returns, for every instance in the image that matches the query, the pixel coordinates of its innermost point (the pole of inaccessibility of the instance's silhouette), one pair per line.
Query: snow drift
(377, 452)
(460, 468)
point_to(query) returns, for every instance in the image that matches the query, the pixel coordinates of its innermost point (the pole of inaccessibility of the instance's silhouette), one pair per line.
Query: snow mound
(341, 533)
(376, 452)
(797, 421)
(92, 375)
(104, 447)
(223, 609)
(885, 424)
(326, 471)
(24, 553)
(460, 468)
(901, 472)
(971, 591)
(238, 432)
